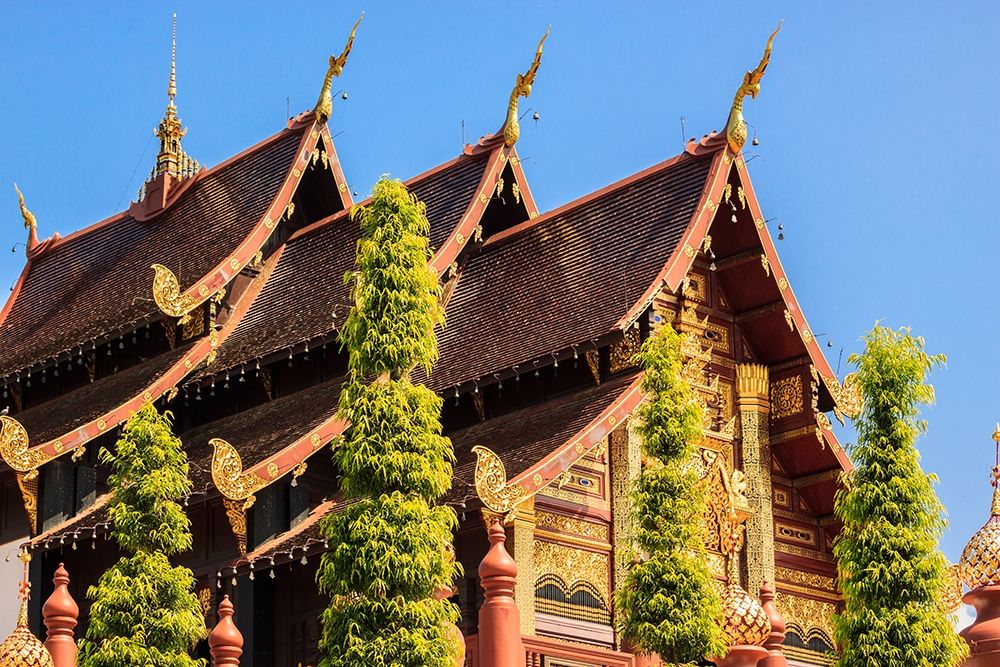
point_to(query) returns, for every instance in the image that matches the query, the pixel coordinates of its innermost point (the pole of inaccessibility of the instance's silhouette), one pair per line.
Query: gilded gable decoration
(324, 105)
(228, 475)
(736, 126)
(787, 397)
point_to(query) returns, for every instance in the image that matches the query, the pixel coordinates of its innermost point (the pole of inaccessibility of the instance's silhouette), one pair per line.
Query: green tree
(144, 609)
(391, 547)
(891, 571)
(668, 604)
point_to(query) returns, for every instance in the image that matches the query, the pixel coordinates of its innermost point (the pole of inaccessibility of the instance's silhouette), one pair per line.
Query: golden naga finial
(511, 126)
(324, 105)
(29, 217)
(736, 127)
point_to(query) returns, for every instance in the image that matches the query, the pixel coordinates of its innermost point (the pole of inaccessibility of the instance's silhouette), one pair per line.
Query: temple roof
(96, 282)
(568, 276)
(305, 297)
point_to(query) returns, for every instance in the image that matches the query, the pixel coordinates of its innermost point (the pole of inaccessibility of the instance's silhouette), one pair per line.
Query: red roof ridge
(587, 198)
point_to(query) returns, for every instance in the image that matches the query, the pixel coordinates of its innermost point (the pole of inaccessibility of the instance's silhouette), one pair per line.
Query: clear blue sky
(876, 123)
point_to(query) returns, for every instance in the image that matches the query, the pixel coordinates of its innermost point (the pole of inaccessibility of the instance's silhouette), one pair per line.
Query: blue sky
(876, 123)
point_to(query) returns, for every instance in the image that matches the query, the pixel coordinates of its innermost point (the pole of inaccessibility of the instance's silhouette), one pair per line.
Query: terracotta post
(60, 613)
(499, 622)
(775, 656)
(225, 643)
(983, 636)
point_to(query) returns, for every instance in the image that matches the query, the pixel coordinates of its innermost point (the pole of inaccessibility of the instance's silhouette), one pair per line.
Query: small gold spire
(171, 158)
(172, 86)
(324, 105)
(522, 88)
(736, 127)
(29, 217)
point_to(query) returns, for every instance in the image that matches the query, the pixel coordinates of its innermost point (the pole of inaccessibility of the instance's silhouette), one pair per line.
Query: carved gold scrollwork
(728, 507)
(14, 447)
(491, 482)
(847, 397)
(28, 483)
(228, 475)
(167, 293)
(236, 512)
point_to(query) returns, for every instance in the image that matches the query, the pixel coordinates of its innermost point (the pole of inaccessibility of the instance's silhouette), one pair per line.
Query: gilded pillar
(625, 455)
(752, 399)
(523, 539)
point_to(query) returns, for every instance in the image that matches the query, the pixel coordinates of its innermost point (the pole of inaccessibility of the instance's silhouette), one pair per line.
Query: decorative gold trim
(28, 483)
(236, 512)
(228, 475)
(14, 447)
(491, 483)
(167, 293)
(324, 105)
(736, 127)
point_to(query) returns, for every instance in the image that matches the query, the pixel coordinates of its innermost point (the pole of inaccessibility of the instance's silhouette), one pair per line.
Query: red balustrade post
(60, 613)
(983, 636)
(499, 621)
(775, 656)
(225, 643)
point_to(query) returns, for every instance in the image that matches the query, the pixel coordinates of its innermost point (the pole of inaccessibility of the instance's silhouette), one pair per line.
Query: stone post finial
(60, 613)
(225, 643)
(499, 622)
(775, 656)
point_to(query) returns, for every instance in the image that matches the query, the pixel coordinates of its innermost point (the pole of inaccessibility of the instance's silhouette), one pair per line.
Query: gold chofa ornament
(736, 127)
(522, 88)
(324, 105)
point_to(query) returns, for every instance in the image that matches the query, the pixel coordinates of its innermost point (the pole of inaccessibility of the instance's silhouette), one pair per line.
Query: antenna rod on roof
(683, 134)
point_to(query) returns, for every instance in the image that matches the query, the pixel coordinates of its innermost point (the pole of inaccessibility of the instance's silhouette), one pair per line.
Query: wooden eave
(30, 458)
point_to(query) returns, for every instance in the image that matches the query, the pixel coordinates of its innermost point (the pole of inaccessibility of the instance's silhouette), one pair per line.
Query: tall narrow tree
(667, 603)
(144, 609)
(391, 546)
(891, 572)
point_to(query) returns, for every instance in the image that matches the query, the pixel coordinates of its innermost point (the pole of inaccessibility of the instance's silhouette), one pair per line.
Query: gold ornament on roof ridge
(167, 293)
(324, 105)
(29, 217)
(491, 482)
(172, 159)
(522, 88)
(979, 564)
(228, 474)
(736, 126)
(15, 448)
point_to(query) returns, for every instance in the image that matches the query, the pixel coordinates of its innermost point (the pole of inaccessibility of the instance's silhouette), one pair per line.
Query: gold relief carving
(796, 534)
(491, 483)
(565, 524)
(781, 498)
(950, 599)
(572, 564)
(516, 191)
(193, 324)
(728, 508)
(522, 88)
(717, 336)
(786, 397)
(782, 283)
(758, 223)
(78, 453)
(807, 616)
(809, 579)
(807, 336)
(268, 222)
(499, 189)
(272, 470)
(314, 156)
(14, 447)
(234, 264)
(58, 446)
(815, 554)
(711, 205)
(623, 352)
(789, 321)
(594, 364)
(228, 475)
(290, 210)
(824, 421)
(706, 243)
(696, 287)
(205, 601)
(688, 250)
(296, 172)
(742, 195)
(28, 483)
(324, 104)
(736, 126)
(315, 440)
(752, 385)
(167, 293)
(766, 263)
(727, 193)
(237, 515)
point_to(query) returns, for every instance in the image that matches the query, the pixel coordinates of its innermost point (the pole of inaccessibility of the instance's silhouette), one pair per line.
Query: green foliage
(668, 604)
(891, 571)
(391, 547)
(144, 610)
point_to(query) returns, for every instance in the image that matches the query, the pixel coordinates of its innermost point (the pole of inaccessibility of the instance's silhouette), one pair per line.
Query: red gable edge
(290, 457)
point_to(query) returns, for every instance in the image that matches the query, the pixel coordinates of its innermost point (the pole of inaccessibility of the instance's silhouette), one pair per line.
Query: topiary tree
(667, 603)
(891, 571)
(144, 609)
(391, 547)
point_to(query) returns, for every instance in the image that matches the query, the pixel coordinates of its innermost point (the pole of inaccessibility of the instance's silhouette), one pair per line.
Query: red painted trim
(522, 183)
(291, 456)
(467, 224)
(229, 268)
(80, 436)
(343, 190)
(679, 263)
(559, 461)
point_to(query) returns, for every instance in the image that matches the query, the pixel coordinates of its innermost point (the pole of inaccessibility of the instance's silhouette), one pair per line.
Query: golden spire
(522, 88)
(736, 127)
(29, 221)
(324, 105)
(979, 564)
(22, 648)
(172, 159)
